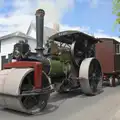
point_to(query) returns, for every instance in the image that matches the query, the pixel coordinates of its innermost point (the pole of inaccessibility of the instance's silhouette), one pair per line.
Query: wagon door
(105, 54)
(117, 57)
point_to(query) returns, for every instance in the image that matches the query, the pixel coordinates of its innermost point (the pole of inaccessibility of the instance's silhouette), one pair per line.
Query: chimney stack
(39, 30)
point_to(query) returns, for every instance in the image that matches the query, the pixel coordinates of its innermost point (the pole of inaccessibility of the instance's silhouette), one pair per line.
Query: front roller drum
(90, 75)
(13, 85)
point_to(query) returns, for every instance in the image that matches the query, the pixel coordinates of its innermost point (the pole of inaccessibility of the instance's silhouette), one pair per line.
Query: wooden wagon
(108, 53)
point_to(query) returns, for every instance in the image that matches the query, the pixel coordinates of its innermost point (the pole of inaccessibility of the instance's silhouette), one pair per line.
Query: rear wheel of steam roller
(90, 75)
(34, 103)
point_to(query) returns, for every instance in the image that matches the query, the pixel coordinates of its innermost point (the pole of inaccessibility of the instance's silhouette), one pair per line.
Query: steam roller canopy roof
(72, 35)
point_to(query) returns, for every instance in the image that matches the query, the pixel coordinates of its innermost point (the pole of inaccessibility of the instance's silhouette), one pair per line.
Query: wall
(47, 33)
(7, 48)
(7, 45)
(32, 44)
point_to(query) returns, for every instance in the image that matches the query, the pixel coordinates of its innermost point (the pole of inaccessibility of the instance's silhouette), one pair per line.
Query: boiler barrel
(56, 68)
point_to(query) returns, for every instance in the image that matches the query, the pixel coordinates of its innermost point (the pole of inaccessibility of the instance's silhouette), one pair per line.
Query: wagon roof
(71, 35)
(117, 39)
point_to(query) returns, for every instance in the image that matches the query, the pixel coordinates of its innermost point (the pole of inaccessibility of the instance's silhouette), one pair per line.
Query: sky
(90, 16)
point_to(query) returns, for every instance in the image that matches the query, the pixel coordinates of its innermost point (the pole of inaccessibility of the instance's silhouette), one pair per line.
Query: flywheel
(90, 74)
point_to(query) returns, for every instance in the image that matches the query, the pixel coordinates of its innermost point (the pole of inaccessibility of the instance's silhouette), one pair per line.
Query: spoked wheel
(33, 103)
(94, 75)
(90, 75)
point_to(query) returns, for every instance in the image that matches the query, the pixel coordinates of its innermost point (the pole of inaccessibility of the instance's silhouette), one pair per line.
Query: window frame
(117, 48)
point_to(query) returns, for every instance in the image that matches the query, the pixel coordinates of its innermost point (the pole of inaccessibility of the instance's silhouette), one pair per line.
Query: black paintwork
(39, 30)
(71, 35)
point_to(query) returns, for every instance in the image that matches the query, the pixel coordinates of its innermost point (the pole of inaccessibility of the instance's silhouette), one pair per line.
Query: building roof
(16, 34)
(47, 31)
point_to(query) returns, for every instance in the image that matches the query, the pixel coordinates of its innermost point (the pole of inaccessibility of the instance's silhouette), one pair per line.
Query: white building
(47, 33)
(7, 42)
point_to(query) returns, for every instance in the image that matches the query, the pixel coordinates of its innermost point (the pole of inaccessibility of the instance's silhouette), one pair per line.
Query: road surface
(75, 106)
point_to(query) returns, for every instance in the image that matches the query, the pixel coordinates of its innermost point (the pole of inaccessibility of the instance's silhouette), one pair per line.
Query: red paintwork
(26, 64)
(105, 54)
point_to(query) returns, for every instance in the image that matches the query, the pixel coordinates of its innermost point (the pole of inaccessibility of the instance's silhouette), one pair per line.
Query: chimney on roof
(56, 27)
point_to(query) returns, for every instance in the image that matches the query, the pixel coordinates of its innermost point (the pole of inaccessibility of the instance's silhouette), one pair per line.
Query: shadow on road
(51, 107)
(54, 103)
(57, 97)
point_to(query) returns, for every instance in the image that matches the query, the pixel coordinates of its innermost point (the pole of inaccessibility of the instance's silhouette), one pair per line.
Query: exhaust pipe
(40, 13)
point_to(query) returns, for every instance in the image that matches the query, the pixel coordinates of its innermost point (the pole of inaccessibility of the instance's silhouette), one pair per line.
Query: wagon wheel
(113, 81)
(90, 75)
(33, 103)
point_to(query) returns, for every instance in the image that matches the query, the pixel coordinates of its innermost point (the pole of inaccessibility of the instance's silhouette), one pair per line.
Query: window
(0, 46)
(117, 49)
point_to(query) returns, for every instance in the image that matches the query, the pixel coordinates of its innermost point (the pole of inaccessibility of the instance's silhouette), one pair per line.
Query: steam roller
(66, 62)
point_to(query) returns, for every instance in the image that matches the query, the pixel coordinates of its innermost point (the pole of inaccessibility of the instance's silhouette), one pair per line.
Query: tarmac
(107, 108)
(75, 106)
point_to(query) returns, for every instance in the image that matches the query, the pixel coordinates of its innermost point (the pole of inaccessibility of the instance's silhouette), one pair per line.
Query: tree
(116, 11)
